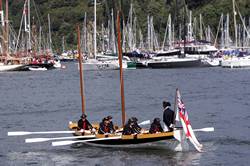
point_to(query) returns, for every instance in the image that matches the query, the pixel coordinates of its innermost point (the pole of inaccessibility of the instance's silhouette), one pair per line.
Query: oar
(32, 140)
(61, 143)
(146, 122)
(207, 129)
(16, 133)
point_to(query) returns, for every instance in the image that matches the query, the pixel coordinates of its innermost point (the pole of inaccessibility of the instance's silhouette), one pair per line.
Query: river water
(48, 100)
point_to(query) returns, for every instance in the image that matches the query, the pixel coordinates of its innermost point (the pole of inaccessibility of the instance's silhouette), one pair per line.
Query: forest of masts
(33, 38)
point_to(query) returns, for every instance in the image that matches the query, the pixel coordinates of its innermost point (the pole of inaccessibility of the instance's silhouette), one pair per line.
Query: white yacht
(10, 67)
(94, 64)
(236, 62)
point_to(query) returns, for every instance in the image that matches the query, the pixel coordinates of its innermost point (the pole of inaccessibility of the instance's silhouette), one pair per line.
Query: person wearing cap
(155, 126)
(104, 127)
(130, 128)
(111, 125)
(136, 127)
(168, 116)
(83, 123)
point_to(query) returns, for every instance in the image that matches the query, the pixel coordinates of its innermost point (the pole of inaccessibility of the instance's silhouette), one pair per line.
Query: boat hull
(131, 140)
(160, 144)
(236, 63)
(164, 140)
(48, 66)
(180, 63)
(100, 66)
(210, 62)
(11, 67)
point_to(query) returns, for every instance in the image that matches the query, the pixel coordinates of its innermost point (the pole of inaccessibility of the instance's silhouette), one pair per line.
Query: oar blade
(146, 122)
(33, 140)
(62, 143)
(207, 129)
(17, 133)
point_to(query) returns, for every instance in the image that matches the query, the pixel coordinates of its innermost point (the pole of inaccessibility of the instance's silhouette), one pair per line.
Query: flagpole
(175, 106)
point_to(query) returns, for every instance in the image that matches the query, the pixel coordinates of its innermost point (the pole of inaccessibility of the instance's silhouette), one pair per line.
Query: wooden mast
(121, 71)
(81, 69)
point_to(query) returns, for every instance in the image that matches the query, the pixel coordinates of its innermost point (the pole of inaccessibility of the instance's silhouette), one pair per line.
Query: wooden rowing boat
(122, 140)
(118, 139)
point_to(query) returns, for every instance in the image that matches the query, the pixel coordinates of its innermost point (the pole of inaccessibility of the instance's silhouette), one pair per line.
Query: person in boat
(130, 128)
(155, 126)
(111, 125)
(168, 116)
(135, 125)
(104, 127)
(83, 123)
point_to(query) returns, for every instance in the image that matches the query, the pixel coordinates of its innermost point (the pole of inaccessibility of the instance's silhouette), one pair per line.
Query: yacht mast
(28, 27)
(7, 27)
(113, 32)
(201, 30)
(95, 29)
(169, 31)
(50, 40)
(103, 49)
(85, 33)
(1, 13)
(63, 45)
(235, 24)
(2, 28)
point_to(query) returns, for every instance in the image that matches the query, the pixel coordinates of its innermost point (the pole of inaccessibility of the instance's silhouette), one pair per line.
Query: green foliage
(66, 14)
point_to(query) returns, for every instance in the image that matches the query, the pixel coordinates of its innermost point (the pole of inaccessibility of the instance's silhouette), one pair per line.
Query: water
(43, 101)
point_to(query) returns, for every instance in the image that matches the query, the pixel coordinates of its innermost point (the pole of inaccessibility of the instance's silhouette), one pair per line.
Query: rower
(83, 124)
(136, 127)
(130, 128)
(104, 127)
(111, 125)
(156, 126)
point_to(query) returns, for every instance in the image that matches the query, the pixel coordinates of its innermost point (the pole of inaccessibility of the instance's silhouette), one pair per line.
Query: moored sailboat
(236, 62)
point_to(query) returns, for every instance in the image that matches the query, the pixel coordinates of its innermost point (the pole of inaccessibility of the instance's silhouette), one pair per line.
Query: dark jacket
(155, 127)
(84, 124)
(127, 130)
(136, 127)
(111, 126)
(130, 129)
(168, 117)
(104, 128)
